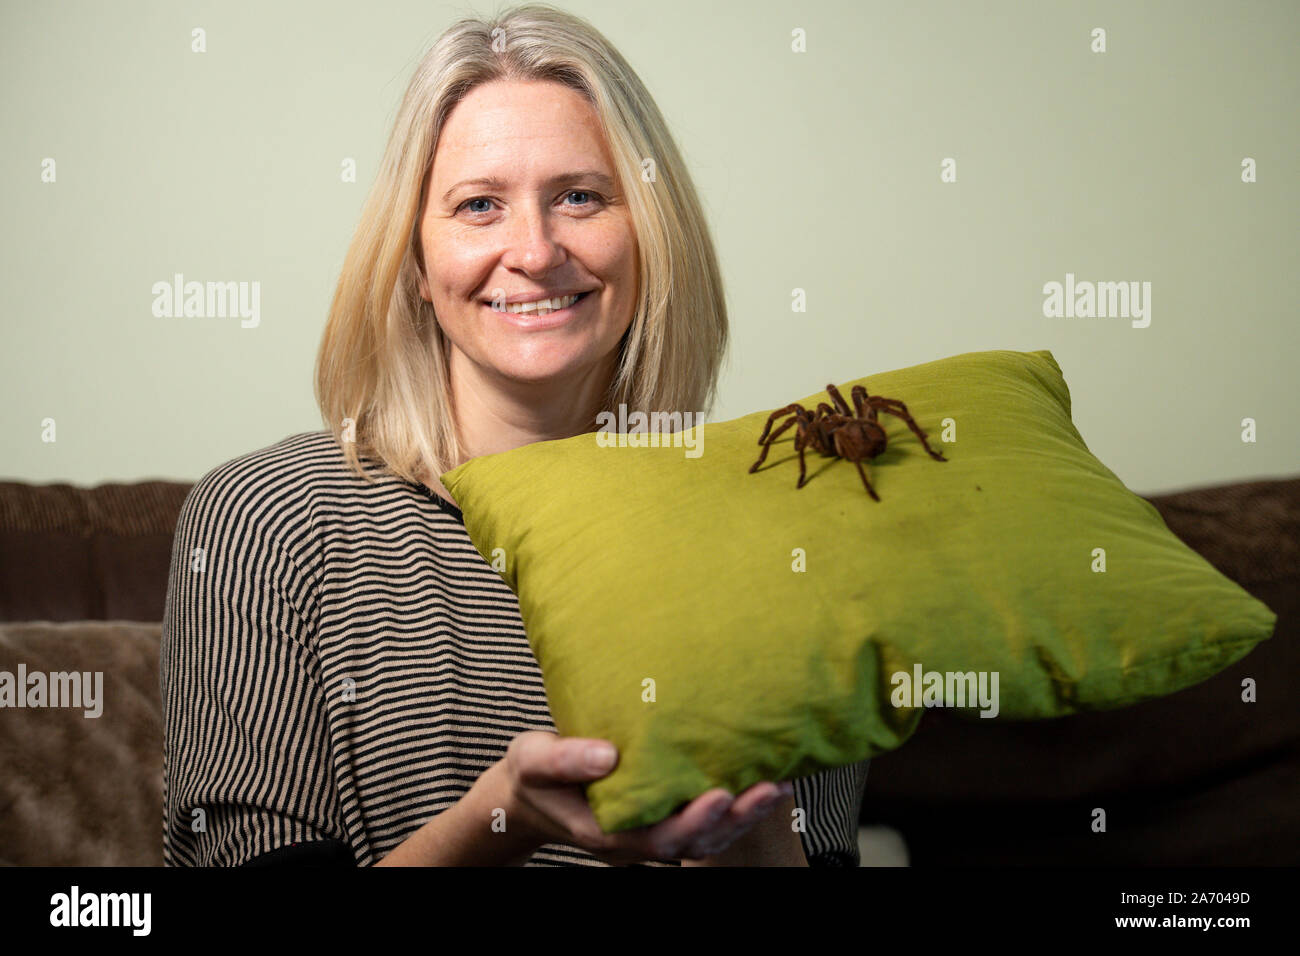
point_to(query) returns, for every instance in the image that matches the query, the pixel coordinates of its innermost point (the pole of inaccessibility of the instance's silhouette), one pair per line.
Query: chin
(538, 369)
(539, 373)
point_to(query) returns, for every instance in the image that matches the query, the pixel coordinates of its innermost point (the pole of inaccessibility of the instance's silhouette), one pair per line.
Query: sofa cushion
(76, 789)
(103, 553)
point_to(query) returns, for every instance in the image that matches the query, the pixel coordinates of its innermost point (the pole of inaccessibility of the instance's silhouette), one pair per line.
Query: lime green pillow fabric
(724, 628)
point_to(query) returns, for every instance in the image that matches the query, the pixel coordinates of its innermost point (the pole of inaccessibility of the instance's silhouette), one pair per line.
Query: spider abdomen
(857, 441)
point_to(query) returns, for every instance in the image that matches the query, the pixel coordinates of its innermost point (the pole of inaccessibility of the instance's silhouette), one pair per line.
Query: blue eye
(571, 192)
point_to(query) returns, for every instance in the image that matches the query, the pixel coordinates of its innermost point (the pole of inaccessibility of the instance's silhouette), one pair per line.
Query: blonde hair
(383, 360)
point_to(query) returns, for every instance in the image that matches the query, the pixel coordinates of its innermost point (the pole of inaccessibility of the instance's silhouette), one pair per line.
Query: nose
(531, 244)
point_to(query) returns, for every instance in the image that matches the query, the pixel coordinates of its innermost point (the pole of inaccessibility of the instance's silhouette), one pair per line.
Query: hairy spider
(839, 432)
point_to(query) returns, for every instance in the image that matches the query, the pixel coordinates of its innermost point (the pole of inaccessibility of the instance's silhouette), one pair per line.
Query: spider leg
(793, 406)
(840, 404)
(862, 403)
(886, 405)
(871, 491)
(767, 444)
(800, 444)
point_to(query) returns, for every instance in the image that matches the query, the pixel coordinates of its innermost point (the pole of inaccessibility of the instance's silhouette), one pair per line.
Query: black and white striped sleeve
(246, 756)
(832, 805)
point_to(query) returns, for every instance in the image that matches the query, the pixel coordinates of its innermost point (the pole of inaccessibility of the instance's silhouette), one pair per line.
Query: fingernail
(600, 757)
(716, 813)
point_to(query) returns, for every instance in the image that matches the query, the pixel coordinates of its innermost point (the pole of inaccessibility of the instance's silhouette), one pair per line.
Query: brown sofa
(1196, 777)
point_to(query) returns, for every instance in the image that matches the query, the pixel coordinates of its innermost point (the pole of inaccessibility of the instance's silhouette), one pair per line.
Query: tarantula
(839, 432)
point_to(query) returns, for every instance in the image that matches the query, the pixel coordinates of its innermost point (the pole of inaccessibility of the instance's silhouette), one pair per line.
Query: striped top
(339, 664)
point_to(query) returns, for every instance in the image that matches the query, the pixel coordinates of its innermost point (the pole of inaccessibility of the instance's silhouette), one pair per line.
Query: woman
(344, 677)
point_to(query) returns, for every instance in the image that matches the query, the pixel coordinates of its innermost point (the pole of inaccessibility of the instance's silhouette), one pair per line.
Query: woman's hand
(773, 841)
(542, 776)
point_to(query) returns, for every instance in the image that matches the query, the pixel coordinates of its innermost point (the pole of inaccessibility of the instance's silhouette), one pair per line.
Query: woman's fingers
(701, 816)
(545, 759)
(664, 840)
(749, 808)
(546, 773)
(713, 820)
(704, 827)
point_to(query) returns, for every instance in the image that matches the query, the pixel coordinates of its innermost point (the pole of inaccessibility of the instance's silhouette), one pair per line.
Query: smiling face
(549, 221)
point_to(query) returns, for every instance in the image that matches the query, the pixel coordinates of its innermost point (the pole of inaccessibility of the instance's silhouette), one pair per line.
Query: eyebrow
(495, 182)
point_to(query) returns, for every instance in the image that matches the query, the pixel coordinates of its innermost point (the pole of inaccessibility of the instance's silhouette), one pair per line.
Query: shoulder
(272, 490)
(288, 467)
(292, 490)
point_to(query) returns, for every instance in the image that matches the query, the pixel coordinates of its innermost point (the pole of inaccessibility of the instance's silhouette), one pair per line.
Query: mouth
(532, 321)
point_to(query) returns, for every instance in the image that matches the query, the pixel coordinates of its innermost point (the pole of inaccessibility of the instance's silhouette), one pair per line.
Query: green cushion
(679, 567)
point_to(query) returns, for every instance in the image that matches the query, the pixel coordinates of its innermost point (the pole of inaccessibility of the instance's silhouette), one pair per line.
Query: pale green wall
(820, 171)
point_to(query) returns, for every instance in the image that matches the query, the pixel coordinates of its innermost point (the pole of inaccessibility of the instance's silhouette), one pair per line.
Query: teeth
(542, 306)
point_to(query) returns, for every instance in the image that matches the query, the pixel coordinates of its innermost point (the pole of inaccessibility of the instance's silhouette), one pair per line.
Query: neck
(496, 414)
